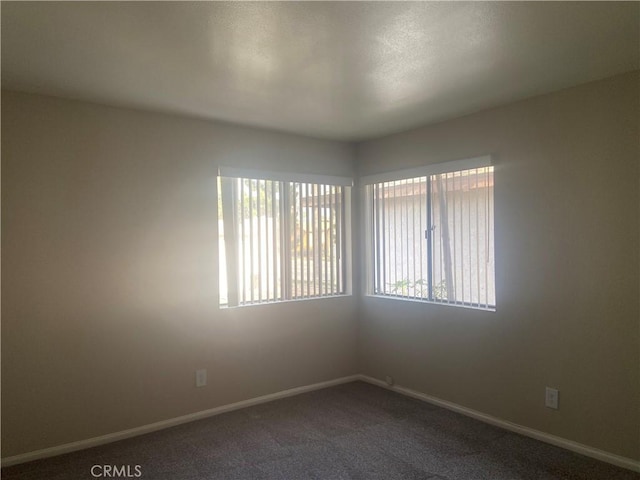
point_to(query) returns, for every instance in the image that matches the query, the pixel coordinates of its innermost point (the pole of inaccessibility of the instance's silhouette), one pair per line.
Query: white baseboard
(152, 427)
(617, 460)
(592, 452)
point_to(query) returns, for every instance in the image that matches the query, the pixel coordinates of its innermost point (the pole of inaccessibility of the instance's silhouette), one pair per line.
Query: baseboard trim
(152, 427)
(580, 448)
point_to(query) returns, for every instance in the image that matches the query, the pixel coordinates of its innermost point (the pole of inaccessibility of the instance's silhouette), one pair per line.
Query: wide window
(431, 234)
(282, 237)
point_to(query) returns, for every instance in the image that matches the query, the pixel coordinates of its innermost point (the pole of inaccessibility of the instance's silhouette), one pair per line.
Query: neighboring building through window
(281, 239)
(431, 234)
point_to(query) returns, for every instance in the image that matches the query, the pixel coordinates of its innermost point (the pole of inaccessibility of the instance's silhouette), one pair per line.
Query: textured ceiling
(342, 70)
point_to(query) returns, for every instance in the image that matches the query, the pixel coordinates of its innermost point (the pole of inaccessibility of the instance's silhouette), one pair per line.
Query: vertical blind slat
(343, 242)
(307, 216)
(317, 245)
(384, 241)
(454, 294)
(295, 249)
(413, 230)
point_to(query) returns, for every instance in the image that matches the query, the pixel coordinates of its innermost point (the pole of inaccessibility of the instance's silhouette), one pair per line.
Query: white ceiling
(342, 70)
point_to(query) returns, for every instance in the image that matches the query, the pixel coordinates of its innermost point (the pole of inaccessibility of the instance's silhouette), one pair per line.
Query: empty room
(320, 240)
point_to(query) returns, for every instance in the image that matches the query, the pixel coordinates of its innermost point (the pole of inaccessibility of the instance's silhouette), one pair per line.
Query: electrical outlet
(551, 398)
(201, 377)
(389, 380)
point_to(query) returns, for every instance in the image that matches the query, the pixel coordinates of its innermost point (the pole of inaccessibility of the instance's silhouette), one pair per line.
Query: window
(431, 234)
(281, 237)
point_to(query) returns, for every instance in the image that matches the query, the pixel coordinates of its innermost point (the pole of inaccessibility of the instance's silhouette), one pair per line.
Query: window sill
(490, 308)
(280, 302)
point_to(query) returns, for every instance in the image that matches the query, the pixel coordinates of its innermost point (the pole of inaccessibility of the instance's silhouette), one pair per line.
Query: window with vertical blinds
(281, 239)
(431, 236)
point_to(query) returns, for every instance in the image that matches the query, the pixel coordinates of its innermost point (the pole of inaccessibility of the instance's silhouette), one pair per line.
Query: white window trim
(233, 172)
(366, 224)
(427, 170)
(285, 176)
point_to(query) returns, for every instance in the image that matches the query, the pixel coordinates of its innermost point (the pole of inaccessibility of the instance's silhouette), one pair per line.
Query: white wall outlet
(551, 398)
(389, 380)
(201, 377)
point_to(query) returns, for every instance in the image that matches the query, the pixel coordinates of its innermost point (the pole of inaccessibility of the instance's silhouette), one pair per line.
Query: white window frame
(334, 259)
(371, 187)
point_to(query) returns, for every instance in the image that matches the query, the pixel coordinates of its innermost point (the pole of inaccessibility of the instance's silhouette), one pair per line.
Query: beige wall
(109, 252)
(109, 267)
(566, 214)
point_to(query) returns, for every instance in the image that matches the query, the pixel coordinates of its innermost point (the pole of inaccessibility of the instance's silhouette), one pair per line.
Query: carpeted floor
(352, 431)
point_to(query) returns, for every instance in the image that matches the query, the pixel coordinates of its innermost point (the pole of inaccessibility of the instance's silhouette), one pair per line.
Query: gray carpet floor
(352, 431)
